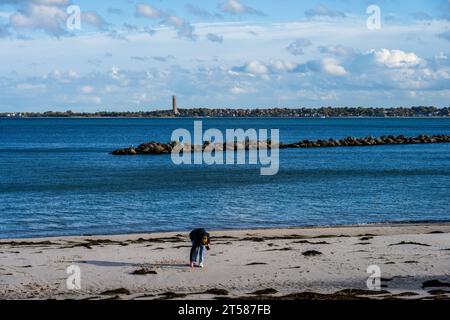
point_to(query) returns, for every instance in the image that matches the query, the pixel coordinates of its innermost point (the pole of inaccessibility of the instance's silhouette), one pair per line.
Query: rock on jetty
(166, 148)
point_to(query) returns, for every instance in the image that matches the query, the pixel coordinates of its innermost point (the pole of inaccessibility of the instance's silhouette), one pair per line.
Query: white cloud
(283, 66)
(92, 18)
(184, 29)
(60, 76)
(145, 10)
(49, 17)
(332, 67)
(256, 68)
(396, 58)
(237, 7)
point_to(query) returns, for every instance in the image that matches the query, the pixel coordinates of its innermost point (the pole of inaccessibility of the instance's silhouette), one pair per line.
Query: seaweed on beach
(322, 236)
(254, 239)
(85, 245)
(411, 243)
(310, 242)
(345, 294)
(280, 249)
(27, 243)
(265, 291)
(311, 253)
(144, 271)
(269, 238)
(147, 295)
(217, 292)
(116, 292)
(172, 295)
(177, 238)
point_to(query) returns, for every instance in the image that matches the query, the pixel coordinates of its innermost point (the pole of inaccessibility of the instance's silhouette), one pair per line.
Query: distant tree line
(420, 111)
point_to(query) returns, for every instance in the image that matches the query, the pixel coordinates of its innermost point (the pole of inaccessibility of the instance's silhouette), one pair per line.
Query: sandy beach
(294, 263)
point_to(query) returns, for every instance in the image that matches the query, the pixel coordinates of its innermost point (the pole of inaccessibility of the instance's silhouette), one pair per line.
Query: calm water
(57, 178)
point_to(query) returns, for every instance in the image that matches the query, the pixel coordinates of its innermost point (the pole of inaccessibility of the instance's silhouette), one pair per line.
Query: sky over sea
(133, 55)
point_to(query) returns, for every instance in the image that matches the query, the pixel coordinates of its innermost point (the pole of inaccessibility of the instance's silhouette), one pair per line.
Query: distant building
(174, 105)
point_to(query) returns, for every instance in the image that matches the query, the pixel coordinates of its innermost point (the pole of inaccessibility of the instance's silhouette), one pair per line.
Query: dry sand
(292, 263)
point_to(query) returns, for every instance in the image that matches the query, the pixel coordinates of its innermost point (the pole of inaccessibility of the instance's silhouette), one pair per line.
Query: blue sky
(133, 55)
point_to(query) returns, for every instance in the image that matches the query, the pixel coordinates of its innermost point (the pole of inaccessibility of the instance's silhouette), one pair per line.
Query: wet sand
(294, 263)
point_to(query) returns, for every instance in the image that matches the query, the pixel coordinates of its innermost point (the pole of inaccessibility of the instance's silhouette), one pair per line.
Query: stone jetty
(166, 148)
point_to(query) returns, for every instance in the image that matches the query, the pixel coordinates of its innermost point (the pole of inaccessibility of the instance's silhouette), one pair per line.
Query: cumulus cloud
(323, 11)
(332, 67)
(256, 68)
(237, 7)
(147, 11)
(283, 66)
(92, 18)
(214, 37)
(396, 58)
(49, 16)
(296, 47)
(184, 29)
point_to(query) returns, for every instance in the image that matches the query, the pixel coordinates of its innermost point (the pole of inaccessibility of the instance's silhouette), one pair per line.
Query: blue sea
(58, 178)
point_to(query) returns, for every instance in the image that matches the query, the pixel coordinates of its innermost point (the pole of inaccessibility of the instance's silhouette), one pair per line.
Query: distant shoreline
(299, 112)
(218, 117)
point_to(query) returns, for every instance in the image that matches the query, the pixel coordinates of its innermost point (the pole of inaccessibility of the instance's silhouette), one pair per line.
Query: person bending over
(200, 241)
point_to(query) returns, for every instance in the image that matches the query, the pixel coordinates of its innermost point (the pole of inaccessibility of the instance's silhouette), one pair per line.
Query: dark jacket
(197, 235)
